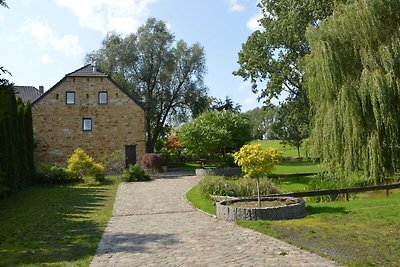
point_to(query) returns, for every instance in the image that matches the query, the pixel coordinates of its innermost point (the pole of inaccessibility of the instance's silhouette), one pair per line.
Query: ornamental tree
(257, 162)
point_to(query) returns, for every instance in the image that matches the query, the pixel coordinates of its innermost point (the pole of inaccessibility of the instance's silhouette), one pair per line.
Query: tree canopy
(261, 120)
(291, 124)
(353, 83)
(164, 74)
(270, 57)
(214, 134)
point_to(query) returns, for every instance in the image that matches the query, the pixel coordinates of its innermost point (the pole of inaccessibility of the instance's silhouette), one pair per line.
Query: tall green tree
(3, 3)
(353, 83)
(227, 104)
(164, 74)
(291, 124)
(261, 120)
(270, 57)
(214, 134)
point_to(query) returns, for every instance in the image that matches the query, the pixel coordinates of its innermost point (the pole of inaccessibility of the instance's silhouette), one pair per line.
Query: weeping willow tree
(353, 81)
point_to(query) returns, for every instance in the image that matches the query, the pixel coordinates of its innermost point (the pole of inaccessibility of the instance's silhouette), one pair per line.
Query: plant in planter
(257, 162)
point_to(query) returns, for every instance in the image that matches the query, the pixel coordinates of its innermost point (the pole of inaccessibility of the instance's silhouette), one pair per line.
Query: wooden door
(130, 155)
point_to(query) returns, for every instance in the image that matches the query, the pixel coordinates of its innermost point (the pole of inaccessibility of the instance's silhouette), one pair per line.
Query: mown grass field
(55, 225)
(287, 151)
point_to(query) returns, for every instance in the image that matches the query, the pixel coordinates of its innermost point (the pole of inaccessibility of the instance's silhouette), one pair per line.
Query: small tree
(257, 162)
(82, 164)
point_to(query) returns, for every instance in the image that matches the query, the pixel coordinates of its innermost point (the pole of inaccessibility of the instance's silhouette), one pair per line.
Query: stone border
(231, 213)
(219, 172)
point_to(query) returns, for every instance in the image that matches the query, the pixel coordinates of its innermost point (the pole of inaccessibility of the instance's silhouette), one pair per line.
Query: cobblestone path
(153, 225)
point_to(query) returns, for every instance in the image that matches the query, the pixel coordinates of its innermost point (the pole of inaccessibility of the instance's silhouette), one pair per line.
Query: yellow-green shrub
(84, 165)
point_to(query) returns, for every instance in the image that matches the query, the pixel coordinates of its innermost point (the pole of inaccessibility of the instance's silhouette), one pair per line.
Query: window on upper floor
(87, 124)
(70, 98)
(103, 98)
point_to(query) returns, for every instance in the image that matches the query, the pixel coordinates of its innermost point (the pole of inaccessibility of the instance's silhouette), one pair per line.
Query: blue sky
(44, 40)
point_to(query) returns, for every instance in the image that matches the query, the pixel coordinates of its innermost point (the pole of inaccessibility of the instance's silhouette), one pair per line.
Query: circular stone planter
(295, 210)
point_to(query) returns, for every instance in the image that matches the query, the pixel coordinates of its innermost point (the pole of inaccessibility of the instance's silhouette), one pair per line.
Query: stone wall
(58, 126)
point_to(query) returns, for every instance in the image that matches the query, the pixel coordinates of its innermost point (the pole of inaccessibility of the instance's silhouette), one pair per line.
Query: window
(70, 98)
(103, 98)
(87, 124)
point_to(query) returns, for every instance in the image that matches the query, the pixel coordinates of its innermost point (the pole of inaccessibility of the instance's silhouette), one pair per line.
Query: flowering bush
(83, 164)
(257, 162)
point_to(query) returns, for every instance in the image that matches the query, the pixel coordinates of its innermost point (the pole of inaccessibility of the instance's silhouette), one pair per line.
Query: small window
(87, 124)
(103, 98)
(70, 98)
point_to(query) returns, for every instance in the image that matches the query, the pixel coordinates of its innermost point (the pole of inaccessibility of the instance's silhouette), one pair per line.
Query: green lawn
(363, 232)
(293, 167)
(55, 225)
(287, 151)
(201, 202)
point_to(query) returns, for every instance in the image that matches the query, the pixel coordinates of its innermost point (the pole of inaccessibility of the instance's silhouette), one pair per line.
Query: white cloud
(253, 23)
(234, 6)
(46, 59)
(46, 38)
(1, 18)
(122, 16)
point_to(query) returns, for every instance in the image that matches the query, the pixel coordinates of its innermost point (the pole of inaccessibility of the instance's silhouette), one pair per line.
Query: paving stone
(153, 225)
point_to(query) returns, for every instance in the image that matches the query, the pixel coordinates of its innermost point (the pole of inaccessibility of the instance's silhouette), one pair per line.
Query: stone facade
(58, 126)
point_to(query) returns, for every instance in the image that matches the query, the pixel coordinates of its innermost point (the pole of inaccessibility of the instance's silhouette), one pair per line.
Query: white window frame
(67, 100)
(100, 99)
(87, 124)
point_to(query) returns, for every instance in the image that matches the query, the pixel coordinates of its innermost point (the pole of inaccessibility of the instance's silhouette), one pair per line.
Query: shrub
(134, 173)
(54, 174)
(222, 186)
(325, 181)
(153, 161)
(83, 165)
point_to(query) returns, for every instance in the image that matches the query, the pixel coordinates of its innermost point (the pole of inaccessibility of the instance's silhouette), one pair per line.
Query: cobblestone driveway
(152, 225)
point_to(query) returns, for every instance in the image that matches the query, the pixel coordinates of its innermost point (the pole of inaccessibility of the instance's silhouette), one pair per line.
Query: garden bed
(219, 172)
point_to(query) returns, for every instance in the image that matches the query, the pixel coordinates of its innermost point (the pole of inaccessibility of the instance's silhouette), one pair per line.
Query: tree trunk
(298, 152)
(258, 192)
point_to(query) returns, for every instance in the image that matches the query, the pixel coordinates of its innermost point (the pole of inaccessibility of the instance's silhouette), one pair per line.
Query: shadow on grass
(52, 224)
(135, 243)
(326, 209)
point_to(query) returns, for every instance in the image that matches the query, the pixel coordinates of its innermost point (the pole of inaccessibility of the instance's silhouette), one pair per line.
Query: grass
(287, 151)
(55, 225)
(356, 233)
(199, 201)
(293, 167)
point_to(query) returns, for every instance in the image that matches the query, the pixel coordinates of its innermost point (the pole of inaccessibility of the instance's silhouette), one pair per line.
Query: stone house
(87, 109)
